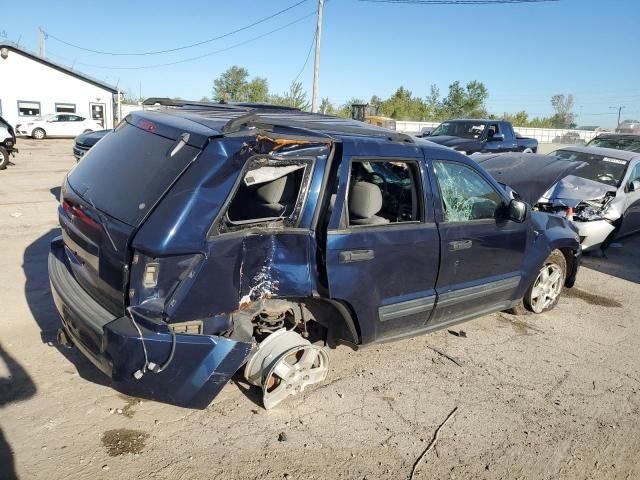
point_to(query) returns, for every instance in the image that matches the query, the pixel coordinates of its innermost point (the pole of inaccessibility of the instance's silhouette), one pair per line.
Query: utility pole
(41, 42)
(316, 67)
(619, 113)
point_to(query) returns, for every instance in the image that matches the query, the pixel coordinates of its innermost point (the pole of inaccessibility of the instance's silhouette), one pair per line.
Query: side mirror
(634, 186)
(517, 211)
(498, 137)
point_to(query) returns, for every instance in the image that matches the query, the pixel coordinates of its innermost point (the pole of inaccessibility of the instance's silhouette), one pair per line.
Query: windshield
(631, 144)
(471, 130)
(599, 168)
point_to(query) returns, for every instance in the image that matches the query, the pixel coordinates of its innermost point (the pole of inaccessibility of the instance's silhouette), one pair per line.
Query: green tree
(296, 97)
(402, 105)
(205, 99)
(563, 106)
(258, 90)
(520, 119)
(432, 102)
(375, 105)
(468, 101)
(326, 107)
(232, 85)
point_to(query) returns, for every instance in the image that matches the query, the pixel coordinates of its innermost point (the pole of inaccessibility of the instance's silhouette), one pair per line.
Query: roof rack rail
(170, 102)
(255, 120)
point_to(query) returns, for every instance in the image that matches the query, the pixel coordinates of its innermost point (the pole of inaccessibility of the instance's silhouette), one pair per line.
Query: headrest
(272, 192)
(365, 200)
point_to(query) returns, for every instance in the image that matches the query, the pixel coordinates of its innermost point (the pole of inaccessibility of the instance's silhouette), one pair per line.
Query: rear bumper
(201, 366)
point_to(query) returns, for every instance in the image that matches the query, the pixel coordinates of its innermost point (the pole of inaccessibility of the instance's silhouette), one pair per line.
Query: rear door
(482, 252)
(382, 242)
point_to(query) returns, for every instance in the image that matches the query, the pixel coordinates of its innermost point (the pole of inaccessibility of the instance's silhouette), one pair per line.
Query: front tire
(4, 158)
(544, 293)
(38, 133)
(528, 150)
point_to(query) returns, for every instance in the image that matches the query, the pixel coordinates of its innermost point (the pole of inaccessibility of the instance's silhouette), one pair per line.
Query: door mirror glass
(517, 210)
(498, 137)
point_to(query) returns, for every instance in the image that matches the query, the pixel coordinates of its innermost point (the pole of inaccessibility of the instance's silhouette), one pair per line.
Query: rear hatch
(111, 192)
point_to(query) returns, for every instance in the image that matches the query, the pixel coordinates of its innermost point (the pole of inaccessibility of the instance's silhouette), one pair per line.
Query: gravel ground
(549, 396)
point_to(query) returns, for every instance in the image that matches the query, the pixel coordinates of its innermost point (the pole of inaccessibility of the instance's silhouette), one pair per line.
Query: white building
(31, 86)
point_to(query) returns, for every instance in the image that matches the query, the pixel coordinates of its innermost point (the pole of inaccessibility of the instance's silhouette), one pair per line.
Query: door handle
(349, 256)
(460, 245)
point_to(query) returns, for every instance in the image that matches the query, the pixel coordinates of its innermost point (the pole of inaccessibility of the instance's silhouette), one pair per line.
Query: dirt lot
(551, 396)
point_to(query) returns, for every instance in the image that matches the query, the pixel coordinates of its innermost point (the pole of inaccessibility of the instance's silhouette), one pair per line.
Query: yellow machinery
(359, 112)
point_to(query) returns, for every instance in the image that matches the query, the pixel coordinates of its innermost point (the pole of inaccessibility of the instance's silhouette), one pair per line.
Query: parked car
(601, 195)
(87, 140)
(476, 136)
(57, 125)
(569, 138)
(246, 234)
(7, 143)
(619, 141)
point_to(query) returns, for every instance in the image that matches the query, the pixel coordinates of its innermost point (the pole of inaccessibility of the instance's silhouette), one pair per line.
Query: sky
(523, 53)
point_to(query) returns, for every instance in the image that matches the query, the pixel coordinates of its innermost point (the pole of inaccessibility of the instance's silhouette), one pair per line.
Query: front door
(97, 112)
(482, 251)
(382, 242)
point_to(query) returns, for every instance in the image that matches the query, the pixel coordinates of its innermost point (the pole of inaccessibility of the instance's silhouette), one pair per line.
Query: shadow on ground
(620, 260)
(17, 386)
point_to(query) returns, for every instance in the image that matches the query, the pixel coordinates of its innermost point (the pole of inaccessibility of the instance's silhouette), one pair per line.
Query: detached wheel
(38, 134)
(4, 158)
(544, 293)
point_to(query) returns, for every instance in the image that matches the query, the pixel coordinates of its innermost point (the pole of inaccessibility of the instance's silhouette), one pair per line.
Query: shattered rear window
(269, 191)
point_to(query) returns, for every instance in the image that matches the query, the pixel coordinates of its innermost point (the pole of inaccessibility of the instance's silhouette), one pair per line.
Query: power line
(457, 2)
(184, 47)
(313, 40)
(190, 59)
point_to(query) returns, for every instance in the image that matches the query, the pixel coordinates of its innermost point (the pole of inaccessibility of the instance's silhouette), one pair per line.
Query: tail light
(155, 283)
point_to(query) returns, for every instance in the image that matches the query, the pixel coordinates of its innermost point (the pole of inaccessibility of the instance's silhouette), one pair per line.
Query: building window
(65, 108)
(28, 109)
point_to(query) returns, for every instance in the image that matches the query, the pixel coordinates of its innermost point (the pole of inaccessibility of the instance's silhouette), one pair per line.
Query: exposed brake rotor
(284, 364)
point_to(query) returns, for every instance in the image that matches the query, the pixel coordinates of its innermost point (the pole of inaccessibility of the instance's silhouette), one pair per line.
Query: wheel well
(570, 258)
(337, 319)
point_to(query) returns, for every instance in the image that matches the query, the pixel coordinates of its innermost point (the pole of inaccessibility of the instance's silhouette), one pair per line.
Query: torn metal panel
(273, 266)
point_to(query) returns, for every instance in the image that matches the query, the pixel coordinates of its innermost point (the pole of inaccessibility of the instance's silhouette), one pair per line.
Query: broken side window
(270, 191)
(465, 194)
(383, 193)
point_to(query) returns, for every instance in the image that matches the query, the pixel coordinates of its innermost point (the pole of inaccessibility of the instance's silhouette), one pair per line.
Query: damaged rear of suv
(199, 238)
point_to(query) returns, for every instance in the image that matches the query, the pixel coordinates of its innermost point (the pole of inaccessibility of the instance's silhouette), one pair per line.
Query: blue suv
(198, 238)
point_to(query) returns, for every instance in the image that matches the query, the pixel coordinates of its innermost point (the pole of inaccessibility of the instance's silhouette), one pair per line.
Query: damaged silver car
(598, 189)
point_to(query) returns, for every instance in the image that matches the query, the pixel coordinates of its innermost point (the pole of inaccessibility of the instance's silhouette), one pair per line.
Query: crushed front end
(596, 220)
